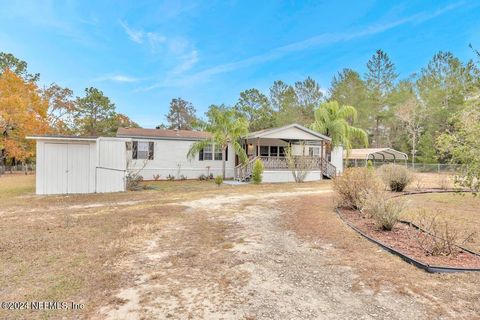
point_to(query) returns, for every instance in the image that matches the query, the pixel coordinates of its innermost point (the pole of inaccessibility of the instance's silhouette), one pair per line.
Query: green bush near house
(257, 172)
(218, 180)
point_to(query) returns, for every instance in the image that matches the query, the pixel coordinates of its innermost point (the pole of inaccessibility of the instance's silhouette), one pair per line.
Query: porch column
(321, 151)
(258, 147)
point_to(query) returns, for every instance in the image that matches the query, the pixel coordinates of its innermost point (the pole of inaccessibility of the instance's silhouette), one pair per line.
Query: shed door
(56, 161)
(78, 168)
(67, 168)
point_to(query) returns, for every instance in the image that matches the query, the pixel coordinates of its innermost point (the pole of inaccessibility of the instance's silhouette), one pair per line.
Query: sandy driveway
(234, 259)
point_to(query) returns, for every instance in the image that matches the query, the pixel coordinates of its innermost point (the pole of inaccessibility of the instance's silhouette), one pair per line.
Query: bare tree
(412, 115)
(299, 165)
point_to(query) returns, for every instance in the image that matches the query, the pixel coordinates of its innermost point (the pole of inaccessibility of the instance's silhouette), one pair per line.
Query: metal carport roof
(374, 154)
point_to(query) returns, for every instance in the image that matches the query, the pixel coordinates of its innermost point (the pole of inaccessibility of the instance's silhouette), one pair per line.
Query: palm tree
(226, 129)
(334, 120)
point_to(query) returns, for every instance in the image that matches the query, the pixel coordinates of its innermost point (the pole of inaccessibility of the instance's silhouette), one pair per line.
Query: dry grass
(16, 184)
(460, 210)
(312, 218)
(431, 180)
(71, 248)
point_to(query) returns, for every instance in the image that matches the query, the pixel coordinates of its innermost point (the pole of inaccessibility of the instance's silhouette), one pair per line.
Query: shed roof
(162, 133)
(375, 154)
(62, 137)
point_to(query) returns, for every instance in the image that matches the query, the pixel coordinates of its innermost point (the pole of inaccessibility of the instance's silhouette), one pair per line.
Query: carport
(361, 156)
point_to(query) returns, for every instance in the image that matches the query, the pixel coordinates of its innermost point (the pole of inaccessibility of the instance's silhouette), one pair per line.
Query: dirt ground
(191, 250)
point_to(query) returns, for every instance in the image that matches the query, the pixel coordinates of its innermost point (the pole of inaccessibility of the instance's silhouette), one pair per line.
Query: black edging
(408, 259)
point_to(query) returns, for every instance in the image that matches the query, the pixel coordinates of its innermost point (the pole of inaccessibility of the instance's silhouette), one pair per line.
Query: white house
(98, 164)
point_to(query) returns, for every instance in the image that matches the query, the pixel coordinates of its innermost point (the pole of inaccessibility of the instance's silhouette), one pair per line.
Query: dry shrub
(444, 183)
(439, 238)
(384, 210)
(133, 181)
(353, 185)
(396, 177)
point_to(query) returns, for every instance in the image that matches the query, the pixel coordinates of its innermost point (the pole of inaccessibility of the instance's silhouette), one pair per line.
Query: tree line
(411, 115)
(420, 115)
(26, 109)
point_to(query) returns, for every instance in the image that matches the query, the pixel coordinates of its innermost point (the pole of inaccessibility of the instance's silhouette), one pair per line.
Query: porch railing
(243, 172)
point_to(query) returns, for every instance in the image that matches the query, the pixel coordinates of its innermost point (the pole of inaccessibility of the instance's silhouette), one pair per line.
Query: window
(281, 151)
(142, 150)
(212, 152)
(314, 151)
(218, 153)
(208, 152)
(264, 151)
(273, 151)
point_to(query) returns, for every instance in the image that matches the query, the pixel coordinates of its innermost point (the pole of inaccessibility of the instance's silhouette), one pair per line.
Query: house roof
(375, 154)
(162, 133)
(285, 132)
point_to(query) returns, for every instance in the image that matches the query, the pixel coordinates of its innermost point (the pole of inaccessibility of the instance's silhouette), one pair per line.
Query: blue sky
(144, 53)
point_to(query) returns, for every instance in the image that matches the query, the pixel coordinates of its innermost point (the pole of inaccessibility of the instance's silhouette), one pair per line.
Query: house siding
(170, 158)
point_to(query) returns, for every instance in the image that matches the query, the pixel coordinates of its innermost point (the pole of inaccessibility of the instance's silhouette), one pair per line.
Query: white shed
(70, 165)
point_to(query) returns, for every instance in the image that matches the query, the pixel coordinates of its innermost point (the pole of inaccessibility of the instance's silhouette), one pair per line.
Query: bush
(156, 177)
(386, 212)
(370, 165)
(218, 180)
(439, 238)
(170, 177)
(396, 177)
(257, 172)
(210, 176)
(202, 177)
(354, 184)
(182, 177)
(133, 181)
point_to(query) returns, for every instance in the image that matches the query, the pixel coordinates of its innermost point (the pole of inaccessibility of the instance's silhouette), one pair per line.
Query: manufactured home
(100, 164)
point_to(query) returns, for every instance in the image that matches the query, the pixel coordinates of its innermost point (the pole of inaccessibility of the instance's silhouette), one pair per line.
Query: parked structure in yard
(69, 165)
(360, 157)
(98, 164)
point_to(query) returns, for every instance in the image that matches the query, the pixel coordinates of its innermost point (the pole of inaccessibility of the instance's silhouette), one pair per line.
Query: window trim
(150, 148)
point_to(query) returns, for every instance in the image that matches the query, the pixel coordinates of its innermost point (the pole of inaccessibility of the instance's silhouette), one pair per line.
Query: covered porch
(308, 148)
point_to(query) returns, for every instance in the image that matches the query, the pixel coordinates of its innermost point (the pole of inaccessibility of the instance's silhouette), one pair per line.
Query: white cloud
(116, 78)
(134, 35)
(321, 39)
(189, 60)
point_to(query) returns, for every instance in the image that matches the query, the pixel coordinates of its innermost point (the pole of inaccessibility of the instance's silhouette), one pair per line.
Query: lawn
(190, 249)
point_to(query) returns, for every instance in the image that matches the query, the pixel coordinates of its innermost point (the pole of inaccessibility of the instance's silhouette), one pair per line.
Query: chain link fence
(418, 167)
(29, 168)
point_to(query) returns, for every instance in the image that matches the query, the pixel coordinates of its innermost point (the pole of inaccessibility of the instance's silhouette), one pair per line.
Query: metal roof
(375, 154)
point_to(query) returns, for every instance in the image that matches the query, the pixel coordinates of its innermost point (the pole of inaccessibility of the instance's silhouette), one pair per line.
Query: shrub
(438, 237)
(133, 181)
(370, 165)
(156, 177)
(257, 172)
(170, 177)
(183, 177)
(202, 177)
(210, 176)
(396, 177)
(386, 212)
(218, 180)
(353, 185)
